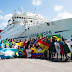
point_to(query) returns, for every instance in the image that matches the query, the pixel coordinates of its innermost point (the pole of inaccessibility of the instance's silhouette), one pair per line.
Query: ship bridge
(28, 18)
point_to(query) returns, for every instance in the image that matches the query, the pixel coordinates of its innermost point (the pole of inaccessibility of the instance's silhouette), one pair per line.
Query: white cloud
(58, 8)
(36, 2)
(7, 17)
(3, 25)
(63, 15)
(1, 11)
(4, 20)
(1, 17)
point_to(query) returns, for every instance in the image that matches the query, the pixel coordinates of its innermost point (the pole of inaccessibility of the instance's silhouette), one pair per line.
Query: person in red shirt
(25, 43)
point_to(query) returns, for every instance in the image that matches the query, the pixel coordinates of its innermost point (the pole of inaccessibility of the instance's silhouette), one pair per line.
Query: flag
(20, 53)
(19, 44)
(70, 45)
(6, 43)
(41, 35)
(66, 48)
(44, 45)
(58, 37)
(28, 53)
(36, 43)
(36, 53)
(7, 52)
(57, 46)
(62, 50)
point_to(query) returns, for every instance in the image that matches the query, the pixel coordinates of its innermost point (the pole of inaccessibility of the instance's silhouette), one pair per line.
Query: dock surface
(34, 65)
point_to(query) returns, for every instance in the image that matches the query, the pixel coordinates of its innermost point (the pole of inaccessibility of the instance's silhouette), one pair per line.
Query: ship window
(17, 17)
(10, 24)
(13, 20)
(25, 29)
(28, 28)
(48, 24)
(22, 17)
(31, 20)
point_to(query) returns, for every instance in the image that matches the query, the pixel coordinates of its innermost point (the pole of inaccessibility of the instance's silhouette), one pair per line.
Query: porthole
(13, 20)
(48, 24)
(31, 21)
(19, 17)
(22, 17)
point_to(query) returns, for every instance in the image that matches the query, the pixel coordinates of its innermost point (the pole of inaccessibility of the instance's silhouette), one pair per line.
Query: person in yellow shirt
(33, 47)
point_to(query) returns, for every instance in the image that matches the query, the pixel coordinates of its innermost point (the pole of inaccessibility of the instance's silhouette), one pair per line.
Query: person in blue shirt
(2, 45)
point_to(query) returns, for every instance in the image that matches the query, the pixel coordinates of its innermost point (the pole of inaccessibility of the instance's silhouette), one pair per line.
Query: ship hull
(60, 27)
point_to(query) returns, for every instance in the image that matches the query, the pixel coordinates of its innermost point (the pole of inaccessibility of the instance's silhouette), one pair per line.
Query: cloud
(7, 17)
(36, 2)
(4, 20)
(1, 17)
(63, 15)
(58, 8)
(1, 11)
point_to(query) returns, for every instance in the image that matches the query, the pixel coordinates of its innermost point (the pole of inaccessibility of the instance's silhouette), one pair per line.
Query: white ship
(26, 25)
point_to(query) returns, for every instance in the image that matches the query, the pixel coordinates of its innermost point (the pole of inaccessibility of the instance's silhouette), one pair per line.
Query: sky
(51, 9)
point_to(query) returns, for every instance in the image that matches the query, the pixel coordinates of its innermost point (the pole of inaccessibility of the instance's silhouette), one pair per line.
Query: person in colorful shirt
(2, 45)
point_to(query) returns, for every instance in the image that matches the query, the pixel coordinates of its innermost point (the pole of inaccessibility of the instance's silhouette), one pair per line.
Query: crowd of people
(56, 47)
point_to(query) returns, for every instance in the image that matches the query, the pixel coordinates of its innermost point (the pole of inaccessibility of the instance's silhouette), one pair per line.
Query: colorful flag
(27, 53)
(58, 37)
(44, 45)
(66, 48)
(41, 35)
(36, 43)
(20, 53)
(7, 52)
(20, 44)
(70, 45)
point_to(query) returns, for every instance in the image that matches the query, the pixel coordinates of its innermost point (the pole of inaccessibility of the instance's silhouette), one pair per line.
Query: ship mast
(21, 10)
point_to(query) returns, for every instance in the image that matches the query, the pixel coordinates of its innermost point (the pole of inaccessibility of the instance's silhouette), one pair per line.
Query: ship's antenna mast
(35, 10)
(14, 11)
(22, 10)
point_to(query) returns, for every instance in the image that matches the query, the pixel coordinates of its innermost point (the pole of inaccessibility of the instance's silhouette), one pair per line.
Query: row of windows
(22, 17)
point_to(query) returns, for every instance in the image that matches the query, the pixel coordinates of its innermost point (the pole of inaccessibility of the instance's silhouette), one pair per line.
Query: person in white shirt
(15, 46)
